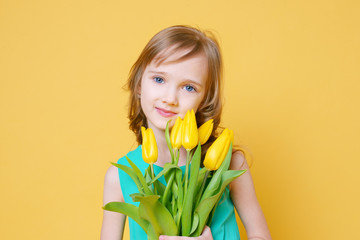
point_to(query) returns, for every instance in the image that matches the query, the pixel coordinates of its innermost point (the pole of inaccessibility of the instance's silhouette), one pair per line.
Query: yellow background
(292, 97)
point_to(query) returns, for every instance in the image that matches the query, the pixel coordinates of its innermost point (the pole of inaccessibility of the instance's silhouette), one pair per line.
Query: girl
(180, 69)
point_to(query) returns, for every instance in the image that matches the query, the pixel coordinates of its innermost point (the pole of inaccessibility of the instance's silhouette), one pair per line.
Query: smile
(165, 113)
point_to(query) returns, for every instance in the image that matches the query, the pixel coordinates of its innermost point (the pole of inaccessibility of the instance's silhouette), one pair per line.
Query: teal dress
(223, 225)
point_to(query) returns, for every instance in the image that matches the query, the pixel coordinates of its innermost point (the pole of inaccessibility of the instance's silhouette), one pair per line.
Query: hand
(205, 235)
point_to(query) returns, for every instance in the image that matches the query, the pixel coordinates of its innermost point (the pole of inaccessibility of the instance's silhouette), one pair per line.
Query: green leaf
(147, 175)
(229, 176)
(211, 215)
(132, 174)
(199, 182)
(159, 186)
(167, 193)
(156, 214)
(166, 168)
(168, 173)
(135, 196)
(189, 196)
(140, 176)
(129, 210)
(203, 211)
(173, 206)
(195, 223)
(206, 205)
(174, 187)
(152, 235)
(200, 178)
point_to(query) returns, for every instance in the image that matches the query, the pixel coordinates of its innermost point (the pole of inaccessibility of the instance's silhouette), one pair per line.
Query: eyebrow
(194, 83)
(157, 72)
(187, 80)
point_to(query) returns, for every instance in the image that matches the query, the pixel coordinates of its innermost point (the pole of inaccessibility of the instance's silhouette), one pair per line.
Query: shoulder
(238, 161)
(112, 189)
(112, 176)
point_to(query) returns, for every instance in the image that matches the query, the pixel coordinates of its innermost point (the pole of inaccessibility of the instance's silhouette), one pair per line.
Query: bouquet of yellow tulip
(175, 209)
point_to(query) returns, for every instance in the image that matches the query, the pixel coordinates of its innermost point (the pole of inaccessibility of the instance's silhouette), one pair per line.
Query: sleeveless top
(223, 226)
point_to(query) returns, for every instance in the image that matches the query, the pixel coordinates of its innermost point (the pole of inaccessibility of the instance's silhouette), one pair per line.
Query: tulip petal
(149, 147)
(190, 136)
(176, 132)
(153, 152)
(216, 178)
(216, 153)
(205, 131)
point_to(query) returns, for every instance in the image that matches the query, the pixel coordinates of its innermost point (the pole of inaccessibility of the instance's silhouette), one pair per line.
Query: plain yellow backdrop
(292, 84)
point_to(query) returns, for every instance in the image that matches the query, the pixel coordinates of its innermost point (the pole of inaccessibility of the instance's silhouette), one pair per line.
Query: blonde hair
(163, 45)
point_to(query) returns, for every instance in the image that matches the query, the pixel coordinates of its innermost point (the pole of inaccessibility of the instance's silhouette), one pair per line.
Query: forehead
(182, 63)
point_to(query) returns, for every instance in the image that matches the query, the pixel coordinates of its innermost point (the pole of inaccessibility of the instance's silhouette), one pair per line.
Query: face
(170, 89)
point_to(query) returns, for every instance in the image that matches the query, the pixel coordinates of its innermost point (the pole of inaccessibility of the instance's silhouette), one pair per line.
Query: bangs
(189, 49)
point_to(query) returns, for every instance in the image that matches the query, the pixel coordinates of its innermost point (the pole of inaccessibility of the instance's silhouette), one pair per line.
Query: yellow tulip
(175, 135)
(216, 153)
(190, 138)
(205, 131)
(149, 147)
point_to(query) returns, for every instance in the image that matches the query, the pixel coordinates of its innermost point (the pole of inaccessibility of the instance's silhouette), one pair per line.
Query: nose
(170, 96)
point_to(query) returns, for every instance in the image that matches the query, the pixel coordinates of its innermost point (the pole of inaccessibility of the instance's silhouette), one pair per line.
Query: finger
(205, 230)
(206, 234)
(164, 237)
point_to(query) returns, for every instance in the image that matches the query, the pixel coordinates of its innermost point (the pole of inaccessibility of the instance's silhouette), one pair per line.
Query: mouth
(165, 113)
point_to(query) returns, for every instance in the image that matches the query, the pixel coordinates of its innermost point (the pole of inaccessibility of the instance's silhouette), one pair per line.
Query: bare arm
(245, 201)
(113, 222)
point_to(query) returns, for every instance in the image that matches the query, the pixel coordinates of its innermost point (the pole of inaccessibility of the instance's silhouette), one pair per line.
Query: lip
(165, 113)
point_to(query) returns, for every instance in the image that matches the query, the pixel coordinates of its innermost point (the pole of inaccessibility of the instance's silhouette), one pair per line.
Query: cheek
(193, 103)
(145, 91)
(198, 102)
(145, 98)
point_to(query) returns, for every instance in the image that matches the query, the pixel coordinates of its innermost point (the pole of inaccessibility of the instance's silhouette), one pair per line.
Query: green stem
(171, 180)
(167, 189)
(180, 198)
(173, 207)
(178, 218)
(187, 171)
(202, 188)
(152, 177)
(177, 155)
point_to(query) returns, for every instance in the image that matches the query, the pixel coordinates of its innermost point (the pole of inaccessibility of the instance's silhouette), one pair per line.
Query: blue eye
(158, 79)
(189, 88)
